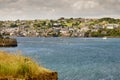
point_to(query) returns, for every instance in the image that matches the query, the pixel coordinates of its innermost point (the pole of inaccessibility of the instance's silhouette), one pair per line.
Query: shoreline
(62, 37)
(18, 67)
(8, 42)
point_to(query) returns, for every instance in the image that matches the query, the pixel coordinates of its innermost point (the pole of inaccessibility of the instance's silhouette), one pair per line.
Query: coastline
(63, 37)
(8, 42)
(17, 67)
(63, 27)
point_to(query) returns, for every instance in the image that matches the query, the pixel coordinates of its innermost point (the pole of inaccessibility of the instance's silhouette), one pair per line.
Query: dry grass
(17, 66)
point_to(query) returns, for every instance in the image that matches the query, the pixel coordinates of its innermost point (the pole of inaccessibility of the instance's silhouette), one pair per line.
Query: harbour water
(74, 58)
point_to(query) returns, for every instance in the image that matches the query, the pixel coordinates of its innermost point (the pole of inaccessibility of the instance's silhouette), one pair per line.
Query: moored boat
(104, 38)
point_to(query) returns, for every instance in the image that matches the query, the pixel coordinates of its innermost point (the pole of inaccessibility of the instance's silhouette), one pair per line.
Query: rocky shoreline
(47, 76)
(8, 42)
(17, 67)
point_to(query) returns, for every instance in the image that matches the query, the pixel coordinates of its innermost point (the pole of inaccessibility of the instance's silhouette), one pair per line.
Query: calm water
(74, 58)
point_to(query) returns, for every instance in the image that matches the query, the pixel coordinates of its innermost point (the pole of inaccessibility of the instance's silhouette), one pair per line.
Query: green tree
(13, 25)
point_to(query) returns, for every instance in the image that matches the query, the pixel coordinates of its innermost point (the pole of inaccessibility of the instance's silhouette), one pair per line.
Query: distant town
(63, 27)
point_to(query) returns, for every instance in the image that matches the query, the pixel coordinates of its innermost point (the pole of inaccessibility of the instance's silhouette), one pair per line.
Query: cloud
(37, 9)
(80, 5)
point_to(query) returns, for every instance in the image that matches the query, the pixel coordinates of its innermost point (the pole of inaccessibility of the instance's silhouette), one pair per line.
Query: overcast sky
(53, 9)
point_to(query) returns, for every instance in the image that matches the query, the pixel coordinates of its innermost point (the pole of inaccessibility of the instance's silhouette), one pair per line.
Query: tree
(109, 20)
(12, 25)
(1, 36)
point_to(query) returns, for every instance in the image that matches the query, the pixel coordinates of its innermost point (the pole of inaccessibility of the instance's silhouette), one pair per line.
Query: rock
(8, 42)
(47, 76)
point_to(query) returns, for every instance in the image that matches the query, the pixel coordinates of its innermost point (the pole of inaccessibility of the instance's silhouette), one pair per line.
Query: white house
(85, 29)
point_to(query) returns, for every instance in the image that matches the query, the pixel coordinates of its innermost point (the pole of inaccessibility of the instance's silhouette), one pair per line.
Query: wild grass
(18, 66)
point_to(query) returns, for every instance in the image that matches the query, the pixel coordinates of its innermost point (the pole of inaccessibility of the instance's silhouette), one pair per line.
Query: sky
(54, 9)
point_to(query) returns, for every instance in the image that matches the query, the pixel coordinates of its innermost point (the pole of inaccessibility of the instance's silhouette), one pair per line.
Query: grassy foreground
(17, 67)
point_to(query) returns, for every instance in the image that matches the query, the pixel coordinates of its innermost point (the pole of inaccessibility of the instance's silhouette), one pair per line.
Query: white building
(85, 29)
(112, 26)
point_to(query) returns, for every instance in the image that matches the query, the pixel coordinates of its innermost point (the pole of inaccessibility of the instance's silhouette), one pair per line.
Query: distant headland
(62, 27)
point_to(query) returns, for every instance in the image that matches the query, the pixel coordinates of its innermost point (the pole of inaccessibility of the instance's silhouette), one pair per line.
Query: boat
(104, 38)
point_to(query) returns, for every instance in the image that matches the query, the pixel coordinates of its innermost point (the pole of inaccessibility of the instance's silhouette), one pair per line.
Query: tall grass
(17, 66)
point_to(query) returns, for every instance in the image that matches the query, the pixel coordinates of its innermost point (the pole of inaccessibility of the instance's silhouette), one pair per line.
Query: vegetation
(54, 28)
(104, 32)
(110, 20)
(13, 25)
(19, 67)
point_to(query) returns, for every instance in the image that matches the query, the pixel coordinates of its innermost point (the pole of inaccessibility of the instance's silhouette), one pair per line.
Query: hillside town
(63, 27)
